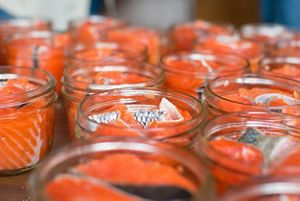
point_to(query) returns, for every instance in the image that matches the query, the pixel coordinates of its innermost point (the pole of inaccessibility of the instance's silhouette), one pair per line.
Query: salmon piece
(69, 188)
(289, 165)
(26, 136)
(117, 77)
(238, 151)
(131, 170)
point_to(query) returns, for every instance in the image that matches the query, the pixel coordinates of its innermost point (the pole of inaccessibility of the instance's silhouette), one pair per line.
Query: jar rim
(24, 22)
(37, 180)
(156, 73)
(206, 54)
(194, 122)
(266, 187)
(249, 79)
(17, 99)
(95, 19)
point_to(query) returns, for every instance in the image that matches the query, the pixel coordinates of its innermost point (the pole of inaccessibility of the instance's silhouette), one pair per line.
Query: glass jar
(251, 92)
(181, 115)
(270, 34)
(290, 48)
(190, 71)
(184, 35)
(288, 67)
(146, 36)
(140, 177)
(270, 189)
(38, 49)
(19, 25)
(240, 147)
(80, 81)
(251, 50)
(105, 51)
(26, 117)
(93, 28)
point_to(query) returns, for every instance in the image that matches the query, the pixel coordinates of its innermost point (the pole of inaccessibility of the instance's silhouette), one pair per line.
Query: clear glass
(288, 67)
(190, 71)
(93, 28)
(270, 34)
(79, 81)
(38, 49)
(288, 48)
(151, 38)
(180, 133)
(105, 51)
(187, 165)
(233, 44)
(251, 92)
(185, 35)
(26, 118)
(19, 25)
(241, 147)
(269, 189)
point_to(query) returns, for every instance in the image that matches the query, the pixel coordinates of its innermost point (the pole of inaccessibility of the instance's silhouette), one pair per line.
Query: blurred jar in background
(146, 36)
(288, 67)
(106, 51)
(13, 26)
(251, 92)
(184, 36)
(190, 71)
(253, 51)
(93, 28)
(290, 48)
(38, 49)
(270, 34)
(83, 80)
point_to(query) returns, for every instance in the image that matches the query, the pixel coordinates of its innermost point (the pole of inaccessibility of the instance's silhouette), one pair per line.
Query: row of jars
(160, 114)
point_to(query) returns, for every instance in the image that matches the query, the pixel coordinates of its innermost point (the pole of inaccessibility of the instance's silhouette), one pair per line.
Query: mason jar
(93, 28)
(122, 168)
(26, 117)
(38, 49)
(83, 80)
(248, 146)
(19, 25)
(190, 71)
(163, 115)
(251, 92)
(185, 35)
(233, 44)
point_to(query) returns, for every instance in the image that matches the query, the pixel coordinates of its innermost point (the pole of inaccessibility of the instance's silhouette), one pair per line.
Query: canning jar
(251, 92)
(185, 35)
(270, 189)
(105, 51)
(270, 34)
(234, 44)
(119, 168)
(289, 48)
(80, 81)
(240, 147)
(38, 49)
(190, 71)
(26, 117)
(93, 28)
(163, 115)
(146, 36)
(288, 67)
(19, 25)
